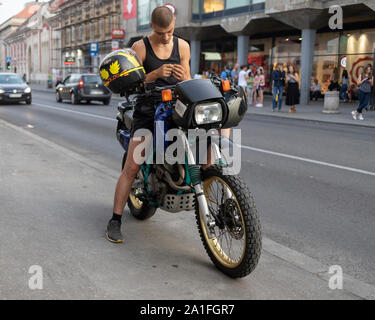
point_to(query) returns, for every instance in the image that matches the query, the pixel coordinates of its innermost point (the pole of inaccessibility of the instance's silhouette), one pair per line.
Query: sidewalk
(313, 112)
(54, 212)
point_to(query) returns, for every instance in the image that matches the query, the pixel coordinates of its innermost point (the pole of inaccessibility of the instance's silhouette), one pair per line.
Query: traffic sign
(130, 9)
(9, 59)
(94, 48)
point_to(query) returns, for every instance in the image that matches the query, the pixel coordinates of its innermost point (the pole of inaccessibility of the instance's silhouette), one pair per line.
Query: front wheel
(58, 97)
(236, 241)
(74, 98)
(141, 210)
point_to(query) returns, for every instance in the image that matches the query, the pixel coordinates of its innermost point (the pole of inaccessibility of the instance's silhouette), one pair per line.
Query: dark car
(77, 87)
(14, 89)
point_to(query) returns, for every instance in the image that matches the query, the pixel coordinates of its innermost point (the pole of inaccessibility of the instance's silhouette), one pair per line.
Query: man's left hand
(179, 72)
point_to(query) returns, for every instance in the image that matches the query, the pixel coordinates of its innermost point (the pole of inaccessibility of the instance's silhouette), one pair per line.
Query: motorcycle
(225, 210)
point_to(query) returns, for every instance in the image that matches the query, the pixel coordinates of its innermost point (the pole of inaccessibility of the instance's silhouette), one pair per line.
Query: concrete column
(242, 49)
(308, 43)
(195, 54)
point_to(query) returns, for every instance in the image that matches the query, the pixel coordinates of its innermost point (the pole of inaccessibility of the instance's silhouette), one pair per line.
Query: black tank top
(152, 62)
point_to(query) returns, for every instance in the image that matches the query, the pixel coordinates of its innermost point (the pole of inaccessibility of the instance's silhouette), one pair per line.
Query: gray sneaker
(113, 232)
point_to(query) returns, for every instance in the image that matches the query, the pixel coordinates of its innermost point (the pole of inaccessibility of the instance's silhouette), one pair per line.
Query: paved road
(313, 183)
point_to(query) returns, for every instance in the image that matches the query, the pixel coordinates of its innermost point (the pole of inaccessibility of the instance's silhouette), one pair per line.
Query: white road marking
(327, 164)
(73, 111)
(322, 163)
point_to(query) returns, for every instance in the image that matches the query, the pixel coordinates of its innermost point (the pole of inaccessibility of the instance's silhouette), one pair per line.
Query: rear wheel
(235, 244)
(141, 210)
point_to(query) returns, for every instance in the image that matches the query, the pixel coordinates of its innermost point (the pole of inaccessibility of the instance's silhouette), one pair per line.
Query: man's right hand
(165, 71)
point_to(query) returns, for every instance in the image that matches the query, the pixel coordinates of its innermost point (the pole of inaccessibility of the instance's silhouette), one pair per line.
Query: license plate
(15, 95)
(96, 92)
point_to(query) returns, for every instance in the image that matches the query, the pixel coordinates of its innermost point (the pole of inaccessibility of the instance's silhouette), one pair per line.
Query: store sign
(70, 60)
(171, 7)
(118, 34)
(343, 62)
(94, 48)
(130, 9)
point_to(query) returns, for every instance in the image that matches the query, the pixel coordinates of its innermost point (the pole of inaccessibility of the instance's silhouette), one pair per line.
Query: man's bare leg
(123, 188)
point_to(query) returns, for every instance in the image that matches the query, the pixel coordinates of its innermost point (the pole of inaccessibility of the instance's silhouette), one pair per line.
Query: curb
(360, 124)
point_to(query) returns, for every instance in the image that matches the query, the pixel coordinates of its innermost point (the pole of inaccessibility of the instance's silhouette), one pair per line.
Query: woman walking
(260, 84)
(292, 92)
(366, 81)
(250, 86)
(344, 86)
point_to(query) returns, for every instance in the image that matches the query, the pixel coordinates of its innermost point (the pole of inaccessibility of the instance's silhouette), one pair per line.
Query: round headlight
(208, 113)
(2, 91)
(28, 90)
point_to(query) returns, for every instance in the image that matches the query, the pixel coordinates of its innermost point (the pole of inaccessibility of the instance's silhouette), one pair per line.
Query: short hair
(162, 17)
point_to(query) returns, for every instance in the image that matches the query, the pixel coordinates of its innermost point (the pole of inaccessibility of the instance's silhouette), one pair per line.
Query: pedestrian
(250, 87)
(366, 81)
(24, 77)
(315, 90)
(225, 75)
(351, 93)
(242, 78)
(278, 83)
(292, 92)
(235, 73)
(333, 81)
(259, 83)
(344, 86)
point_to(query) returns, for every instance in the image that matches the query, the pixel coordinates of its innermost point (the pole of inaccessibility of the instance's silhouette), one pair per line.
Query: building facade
(9, 27)
(34, 46)
(264, 32)
(86, 32)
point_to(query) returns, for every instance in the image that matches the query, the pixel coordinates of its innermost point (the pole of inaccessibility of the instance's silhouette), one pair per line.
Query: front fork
(196, 179)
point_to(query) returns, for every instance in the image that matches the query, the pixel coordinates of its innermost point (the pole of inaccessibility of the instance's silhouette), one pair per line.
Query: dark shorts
(143, 118)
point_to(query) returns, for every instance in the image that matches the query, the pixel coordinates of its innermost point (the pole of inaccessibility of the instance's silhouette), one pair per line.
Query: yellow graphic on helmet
(115, 67)
(104, 73)
(132, 59)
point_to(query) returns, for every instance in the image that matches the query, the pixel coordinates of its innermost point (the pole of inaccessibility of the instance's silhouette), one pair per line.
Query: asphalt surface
(324, 209)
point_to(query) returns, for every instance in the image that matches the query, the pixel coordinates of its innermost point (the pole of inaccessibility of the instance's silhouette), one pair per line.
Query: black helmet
(121, 71)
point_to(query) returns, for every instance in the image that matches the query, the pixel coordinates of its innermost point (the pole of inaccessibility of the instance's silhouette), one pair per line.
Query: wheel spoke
(229, 243)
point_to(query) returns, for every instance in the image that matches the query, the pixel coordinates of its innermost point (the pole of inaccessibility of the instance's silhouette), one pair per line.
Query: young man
(166, 61)
(278, 79)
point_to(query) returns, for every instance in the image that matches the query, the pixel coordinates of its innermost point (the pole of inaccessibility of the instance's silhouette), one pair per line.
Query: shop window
(236, 3)
(322, 70)
(213, 5)
(205, 9)
(144, 10)
(326, 43)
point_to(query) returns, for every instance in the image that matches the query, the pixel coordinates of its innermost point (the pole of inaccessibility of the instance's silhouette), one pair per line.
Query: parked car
(14, 89)
(77, 87)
